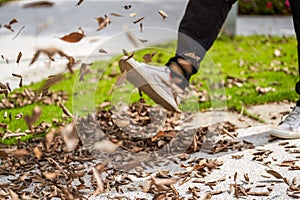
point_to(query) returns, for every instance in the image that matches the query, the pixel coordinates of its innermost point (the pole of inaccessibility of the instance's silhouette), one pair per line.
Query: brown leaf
(138, 20)
(79, 2)
(84, 69)
(127, 7)
(125, 53)
(106, 146)
(65, 109)
(121, 79)
(38, 4)
(100, 186)
(133, 39)
(102, 50)
(52, 80)
(30, 120)
(116, 14)
(70, 137)
(21, 83)
(141, 27)
(148, 57)
(17, 75)
(275, 174)
(73, 37)
(163, 14)
(38, 152)
(132, 14)
(13, 195)
(103, 22)
(13, 21)
(50, 175)
(19, 57)
(160, 196)
(143, 40)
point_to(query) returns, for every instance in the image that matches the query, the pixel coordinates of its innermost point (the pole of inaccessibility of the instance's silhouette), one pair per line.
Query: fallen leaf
(70, 137)
(13, 195)
(37, 152)
(106, 146)
(277, 53)
(100, 186)
(72, 37)
(50, 175)
(275, 174)
(163, 14)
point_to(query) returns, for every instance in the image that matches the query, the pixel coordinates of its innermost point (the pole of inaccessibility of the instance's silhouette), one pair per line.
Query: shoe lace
(292, 117)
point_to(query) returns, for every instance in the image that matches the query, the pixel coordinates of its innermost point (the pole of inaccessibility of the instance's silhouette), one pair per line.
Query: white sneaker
(154, 81)
(289, 128)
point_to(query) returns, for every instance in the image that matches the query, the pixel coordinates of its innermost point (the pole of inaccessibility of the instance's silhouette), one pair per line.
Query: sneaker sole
(284, 134)
(155, 92)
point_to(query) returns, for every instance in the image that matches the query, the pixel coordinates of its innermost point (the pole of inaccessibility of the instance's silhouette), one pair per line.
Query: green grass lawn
(240, 68)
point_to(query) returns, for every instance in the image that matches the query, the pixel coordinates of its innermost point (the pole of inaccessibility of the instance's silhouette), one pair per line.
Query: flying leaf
(84, 69)
(38, 4)
(148, 57)
(121, 79)
(73, 37)
(132, 14)
(30, 120)
(103, 22)
(127, 7)
(52, 80)
(65, 110)
(13, 21)
(102, 50)
(133, 39)
(79, 2)
(163, 14)
(138, 20)
(19, 57)
(18, 32)
(17, 75)
(141, 27)
(116, 14)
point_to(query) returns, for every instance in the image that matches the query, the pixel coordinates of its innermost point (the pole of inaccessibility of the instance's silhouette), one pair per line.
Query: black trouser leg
(198, 30)
(295, 7)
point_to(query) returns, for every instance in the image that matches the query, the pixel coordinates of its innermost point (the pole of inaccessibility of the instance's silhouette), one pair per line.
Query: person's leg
(289, 128)
(198, 30)
(295, 8)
